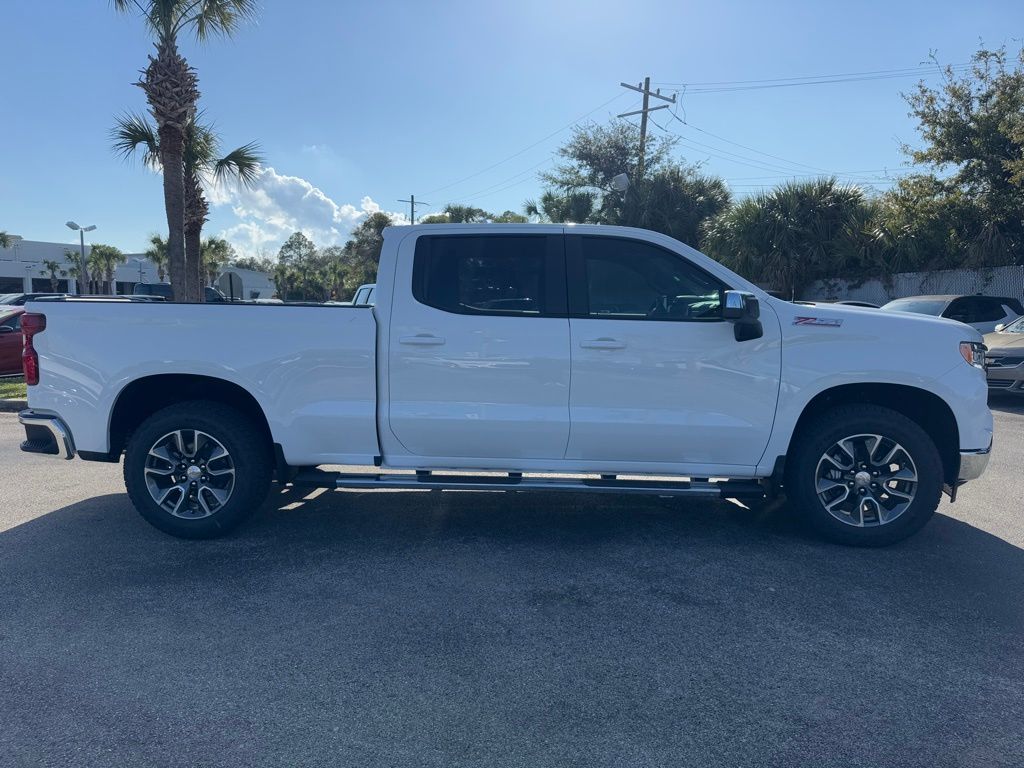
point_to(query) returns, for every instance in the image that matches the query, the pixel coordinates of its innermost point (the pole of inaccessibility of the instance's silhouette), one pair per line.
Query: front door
(479, 353)
(657, 374)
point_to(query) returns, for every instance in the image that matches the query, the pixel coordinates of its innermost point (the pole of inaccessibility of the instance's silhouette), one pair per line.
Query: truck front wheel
(197, 469)
(864, 475)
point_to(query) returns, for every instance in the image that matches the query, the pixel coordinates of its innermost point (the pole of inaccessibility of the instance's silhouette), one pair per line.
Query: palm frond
(241, 164)
(133, 131)
(216, 17)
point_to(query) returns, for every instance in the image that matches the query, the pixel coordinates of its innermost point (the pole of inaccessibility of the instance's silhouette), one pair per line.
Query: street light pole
(83, 269)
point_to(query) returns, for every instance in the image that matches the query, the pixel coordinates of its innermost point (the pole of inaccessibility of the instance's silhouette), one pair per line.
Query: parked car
(364, 295)
(519, 357)
(165, 292)
(983, 313)
(20, 299)
(10, 340)
(1005, 357)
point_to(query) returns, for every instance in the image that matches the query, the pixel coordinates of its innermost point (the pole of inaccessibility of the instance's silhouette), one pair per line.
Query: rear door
(478, 355)
(657, 374)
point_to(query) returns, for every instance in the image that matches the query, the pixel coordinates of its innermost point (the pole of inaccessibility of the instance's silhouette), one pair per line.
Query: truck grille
(1003, 362)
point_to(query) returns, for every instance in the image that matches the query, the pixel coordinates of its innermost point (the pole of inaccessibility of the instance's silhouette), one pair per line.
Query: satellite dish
(620, 183)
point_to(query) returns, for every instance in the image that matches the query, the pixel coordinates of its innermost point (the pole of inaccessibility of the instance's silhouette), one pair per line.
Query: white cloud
(277, 205)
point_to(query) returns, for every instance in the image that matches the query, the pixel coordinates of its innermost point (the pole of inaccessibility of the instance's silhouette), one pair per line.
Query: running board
(514, 481)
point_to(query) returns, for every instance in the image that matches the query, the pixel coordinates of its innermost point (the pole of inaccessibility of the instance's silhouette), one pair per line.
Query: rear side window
(486, 274)
(976, 309)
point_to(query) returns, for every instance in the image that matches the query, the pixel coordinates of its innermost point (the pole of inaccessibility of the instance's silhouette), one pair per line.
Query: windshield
(918, 306)
(7, 314)
(7, 298)
(1017, 326)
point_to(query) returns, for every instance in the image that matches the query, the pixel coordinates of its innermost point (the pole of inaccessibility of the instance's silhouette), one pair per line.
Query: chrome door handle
(422, 340)
(603, 344)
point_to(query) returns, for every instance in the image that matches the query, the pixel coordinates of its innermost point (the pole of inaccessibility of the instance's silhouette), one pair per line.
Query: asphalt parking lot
(472, 629)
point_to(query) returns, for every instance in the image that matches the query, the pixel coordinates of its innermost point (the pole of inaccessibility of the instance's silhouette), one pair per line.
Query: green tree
(362, 251)
(671, 196)
(157, 255)
(971, 203)
(295, 263)
(256, 263)
(202, 162)
(172, 92)
(103, 260)
(5, 240)
(55, 271)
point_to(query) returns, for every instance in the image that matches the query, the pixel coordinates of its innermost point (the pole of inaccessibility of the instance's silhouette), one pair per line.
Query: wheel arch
(146, 395)
(926, 409)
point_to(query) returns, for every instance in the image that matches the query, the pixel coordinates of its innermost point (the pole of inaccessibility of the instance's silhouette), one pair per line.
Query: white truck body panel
(350, 385)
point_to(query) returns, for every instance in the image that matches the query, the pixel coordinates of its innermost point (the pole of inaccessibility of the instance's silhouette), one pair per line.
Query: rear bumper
(47, 434)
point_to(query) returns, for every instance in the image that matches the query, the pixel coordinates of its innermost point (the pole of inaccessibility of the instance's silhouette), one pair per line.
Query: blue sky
(358, 104)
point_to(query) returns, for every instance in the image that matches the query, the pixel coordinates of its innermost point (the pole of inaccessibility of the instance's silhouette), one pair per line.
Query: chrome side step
(515, 481)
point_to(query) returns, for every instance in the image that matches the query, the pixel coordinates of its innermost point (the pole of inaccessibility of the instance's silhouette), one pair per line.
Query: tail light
(31, 324)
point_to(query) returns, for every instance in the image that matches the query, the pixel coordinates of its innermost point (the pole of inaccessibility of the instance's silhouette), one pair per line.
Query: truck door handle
(603, 343)
(422, 340)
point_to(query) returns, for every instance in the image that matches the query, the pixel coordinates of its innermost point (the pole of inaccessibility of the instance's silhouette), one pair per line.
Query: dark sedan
(10, 340)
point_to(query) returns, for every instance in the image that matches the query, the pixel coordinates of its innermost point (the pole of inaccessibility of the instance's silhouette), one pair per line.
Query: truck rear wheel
(864, 475)
(197, 469)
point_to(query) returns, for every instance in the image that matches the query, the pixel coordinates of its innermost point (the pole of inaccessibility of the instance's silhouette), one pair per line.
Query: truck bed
(312, 369)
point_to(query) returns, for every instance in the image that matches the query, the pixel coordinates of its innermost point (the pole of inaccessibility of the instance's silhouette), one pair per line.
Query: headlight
(973, 353)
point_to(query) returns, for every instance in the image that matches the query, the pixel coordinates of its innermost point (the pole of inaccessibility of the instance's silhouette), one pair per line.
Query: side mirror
(1001, 327)
(744, 311)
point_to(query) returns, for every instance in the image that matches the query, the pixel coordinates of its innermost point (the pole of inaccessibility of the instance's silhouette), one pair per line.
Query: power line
(753, 85)
(904, 70)
(525, 149)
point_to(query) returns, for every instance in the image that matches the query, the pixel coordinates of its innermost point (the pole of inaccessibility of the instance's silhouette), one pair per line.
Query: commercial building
(22, 270)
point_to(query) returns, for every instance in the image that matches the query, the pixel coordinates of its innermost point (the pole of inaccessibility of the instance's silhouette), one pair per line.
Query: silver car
(1004, 360)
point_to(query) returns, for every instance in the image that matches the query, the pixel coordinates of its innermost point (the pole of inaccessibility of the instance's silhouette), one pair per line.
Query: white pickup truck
(519, 357)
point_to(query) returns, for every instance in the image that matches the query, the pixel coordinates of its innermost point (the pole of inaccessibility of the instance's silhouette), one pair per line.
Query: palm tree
(216, 252)
(5, 240)
(793, 235)
(104, 259)
(172, 91)
(157, 255)
(55, 270)
(201, 162)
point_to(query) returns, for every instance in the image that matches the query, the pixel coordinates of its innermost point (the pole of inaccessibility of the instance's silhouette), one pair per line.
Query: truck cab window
(492, 275)
(630, 279)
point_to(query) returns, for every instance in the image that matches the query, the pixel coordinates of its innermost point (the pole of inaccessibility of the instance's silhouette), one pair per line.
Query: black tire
(250, 455)
(823, 432)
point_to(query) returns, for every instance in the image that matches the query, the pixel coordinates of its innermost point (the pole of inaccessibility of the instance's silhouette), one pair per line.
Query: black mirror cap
(748, 330)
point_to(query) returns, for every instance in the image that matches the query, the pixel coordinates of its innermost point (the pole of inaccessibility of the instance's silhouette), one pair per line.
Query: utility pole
(645, 89)
(412, 207)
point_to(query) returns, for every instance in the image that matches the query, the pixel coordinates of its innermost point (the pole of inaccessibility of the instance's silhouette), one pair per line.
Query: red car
(10, 340)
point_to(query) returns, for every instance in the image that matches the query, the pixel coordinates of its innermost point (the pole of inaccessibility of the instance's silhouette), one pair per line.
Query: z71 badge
(827, 322)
